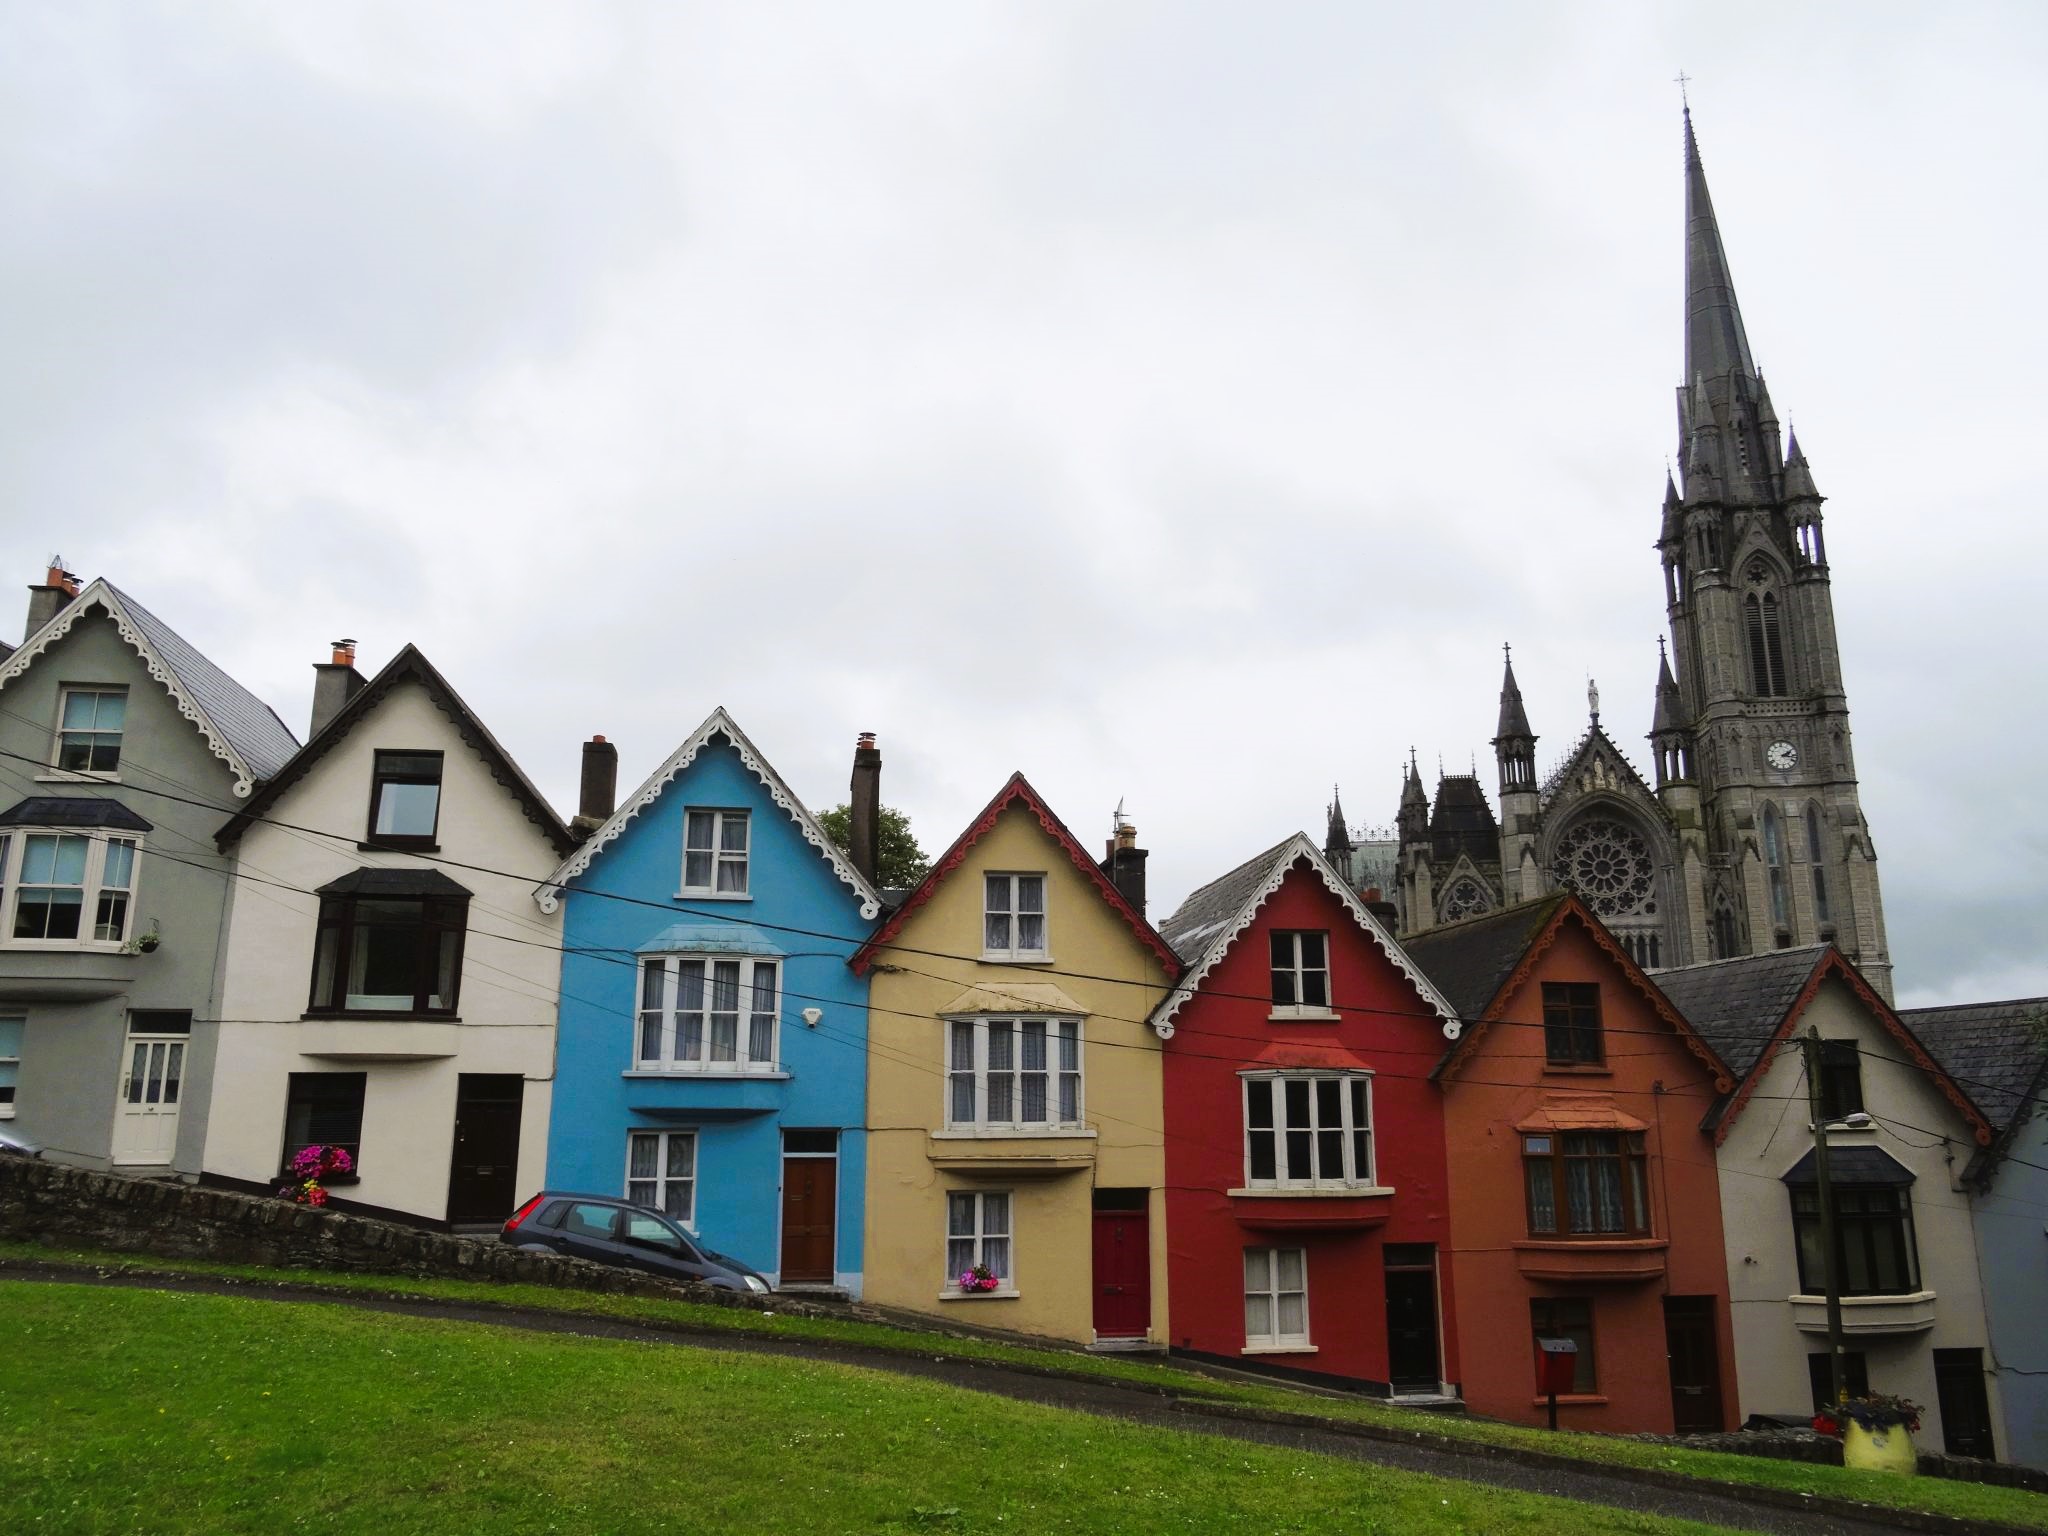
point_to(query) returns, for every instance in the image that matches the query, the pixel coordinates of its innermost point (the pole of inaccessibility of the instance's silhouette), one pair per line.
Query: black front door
(1965, 1405)
(1412, 1361)
(1695, 1364)
(482, 1179)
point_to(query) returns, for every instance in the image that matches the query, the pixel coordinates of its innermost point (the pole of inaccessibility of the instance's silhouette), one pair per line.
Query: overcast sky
(1180, 403)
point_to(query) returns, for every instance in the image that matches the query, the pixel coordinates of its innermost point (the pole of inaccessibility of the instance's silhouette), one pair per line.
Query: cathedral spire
(1715, 343)
(1514, 719)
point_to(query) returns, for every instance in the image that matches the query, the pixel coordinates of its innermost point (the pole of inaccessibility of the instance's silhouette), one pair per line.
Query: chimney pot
(335, 682)
(600, 788)
(344, 653)
(45, 602)
(1125, 865)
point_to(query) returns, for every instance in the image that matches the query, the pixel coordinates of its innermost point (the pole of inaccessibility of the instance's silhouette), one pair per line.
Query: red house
(1305, 1170)
(1585, 1203)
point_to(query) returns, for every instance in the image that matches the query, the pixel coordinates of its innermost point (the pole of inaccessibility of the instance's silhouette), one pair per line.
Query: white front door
(146, 1110)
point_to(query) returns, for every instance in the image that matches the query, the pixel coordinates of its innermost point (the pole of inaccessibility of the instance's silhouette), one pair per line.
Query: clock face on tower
(1782, 755)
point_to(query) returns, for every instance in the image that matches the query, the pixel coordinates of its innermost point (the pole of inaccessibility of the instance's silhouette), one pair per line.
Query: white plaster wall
(1772, 1133)
(510, 968)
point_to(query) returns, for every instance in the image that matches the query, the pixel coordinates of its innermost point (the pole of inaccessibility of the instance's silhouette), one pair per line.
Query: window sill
(1016, 957)
(1304, 1016)
(69, 946)
(74, 776)
(1013, 1133)
(1312, 1192)
(1003, 1293)
(388, 1015)
(1280, 1349)
(714, 896)
(713, 1074)
(6, 1111)
(398, 845)
(1585, 1069)
(1572, 1400)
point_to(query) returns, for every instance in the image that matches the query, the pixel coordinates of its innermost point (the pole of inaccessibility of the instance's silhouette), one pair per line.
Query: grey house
(121, 748)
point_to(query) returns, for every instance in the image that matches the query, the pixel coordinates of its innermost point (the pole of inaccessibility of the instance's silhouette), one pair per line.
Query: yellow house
(1015, 1133)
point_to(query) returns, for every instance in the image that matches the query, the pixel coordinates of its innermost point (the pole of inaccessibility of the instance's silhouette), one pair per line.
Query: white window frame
(20, 1023)
(662, 1177)
(669, 1019)
(974, 1074)
(92, 888)
(1299, 1009)
(984, 1232)
(1013, 914)
(1350, 1179)
(96, 775)
(721, 857)
(1274, 1340)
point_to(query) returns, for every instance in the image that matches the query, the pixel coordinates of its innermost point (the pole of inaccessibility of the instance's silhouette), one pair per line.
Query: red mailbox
(1557, 1365)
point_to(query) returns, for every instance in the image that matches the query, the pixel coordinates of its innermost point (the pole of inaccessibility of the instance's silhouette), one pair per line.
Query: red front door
(1123, 1275)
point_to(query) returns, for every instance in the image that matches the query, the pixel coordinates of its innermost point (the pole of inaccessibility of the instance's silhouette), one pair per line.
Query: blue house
(711, 1054)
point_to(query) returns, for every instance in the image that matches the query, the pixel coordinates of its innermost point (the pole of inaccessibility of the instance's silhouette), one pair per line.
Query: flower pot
(1879, 1450)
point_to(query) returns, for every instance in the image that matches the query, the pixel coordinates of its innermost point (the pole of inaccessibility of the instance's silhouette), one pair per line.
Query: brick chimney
(335, 682)
(865, 807)
(52, 597)
(1124, 863)
(1377, 904)
(600, 792)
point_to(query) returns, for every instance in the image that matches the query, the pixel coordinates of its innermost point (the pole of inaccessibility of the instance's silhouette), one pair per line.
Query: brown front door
(483, 1177)
(1695, 1364)
(1123, 1274)
(810, 1206)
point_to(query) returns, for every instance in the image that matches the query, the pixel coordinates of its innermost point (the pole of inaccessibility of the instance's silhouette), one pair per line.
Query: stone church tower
(1751, 836)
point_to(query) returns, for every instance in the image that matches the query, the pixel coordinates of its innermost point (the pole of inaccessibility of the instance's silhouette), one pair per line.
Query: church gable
(1596, 766)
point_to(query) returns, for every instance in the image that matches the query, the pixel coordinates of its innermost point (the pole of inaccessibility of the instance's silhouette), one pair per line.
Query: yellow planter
(1879, 1450)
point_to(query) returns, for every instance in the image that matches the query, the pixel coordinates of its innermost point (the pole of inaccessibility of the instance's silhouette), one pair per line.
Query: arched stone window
(1816, 856)
(1774, 873)
(1763, 625)
(1607, 863)
(1724, 927)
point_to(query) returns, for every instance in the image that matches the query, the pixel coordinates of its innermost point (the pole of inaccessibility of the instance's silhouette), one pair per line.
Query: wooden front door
(810, 1206)
(483, 1178)
(1123, 1275)
(1965, 1405)
(1695, 1364)
(146, 1110)
(1413, 1364)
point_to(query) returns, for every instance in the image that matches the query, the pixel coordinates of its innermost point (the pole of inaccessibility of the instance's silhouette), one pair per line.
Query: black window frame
(1568, 1317)
(333, 1089)
(386, 770)
(1572, 1032)
(1873, 1232)
(1841, 1080)
(1820, 1376)
(340, 917)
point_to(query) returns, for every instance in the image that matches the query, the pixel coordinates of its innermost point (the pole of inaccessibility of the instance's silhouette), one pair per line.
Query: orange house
(1584, 1198)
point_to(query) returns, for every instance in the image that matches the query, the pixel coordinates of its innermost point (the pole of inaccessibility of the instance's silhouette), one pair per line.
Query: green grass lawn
(1972, 1501)
(146, 1410)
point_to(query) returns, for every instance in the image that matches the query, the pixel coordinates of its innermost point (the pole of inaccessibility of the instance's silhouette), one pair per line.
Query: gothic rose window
(1465, 899)
(1608, 865)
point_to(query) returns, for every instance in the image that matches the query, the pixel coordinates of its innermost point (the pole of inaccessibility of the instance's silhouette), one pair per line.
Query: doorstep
(818, 1290)
(1125, 1347)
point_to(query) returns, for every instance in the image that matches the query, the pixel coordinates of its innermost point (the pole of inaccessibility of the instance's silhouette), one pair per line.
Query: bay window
(1875, 1250)
(1308, 1131)
(708, 1013)
(1013, 1074)
(67, 872)
(1587, 1184)
(389, 941)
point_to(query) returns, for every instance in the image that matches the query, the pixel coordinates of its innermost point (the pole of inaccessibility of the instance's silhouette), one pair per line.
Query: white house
(1900, 1134)
(388, 985)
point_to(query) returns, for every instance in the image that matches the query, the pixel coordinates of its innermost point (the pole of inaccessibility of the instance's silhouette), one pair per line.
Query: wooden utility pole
(1830, 1260)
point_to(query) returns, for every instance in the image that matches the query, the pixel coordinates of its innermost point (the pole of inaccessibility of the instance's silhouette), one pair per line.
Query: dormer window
(405, 799)
(89, 726)
(715, 849)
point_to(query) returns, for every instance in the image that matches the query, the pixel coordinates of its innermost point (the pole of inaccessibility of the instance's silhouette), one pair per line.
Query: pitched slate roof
(408, 665)
(73, 811)
(1738, 1004)
(243, 731)
(1470, 961)
(717, 725)
(1998, 1054)
(1017, 791)
(1214, 917)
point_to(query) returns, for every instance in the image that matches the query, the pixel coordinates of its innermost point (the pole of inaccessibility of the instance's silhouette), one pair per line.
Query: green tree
(900, 861)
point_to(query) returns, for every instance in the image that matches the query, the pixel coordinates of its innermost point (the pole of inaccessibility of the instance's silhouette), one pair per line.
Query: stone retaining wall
(61, 1206)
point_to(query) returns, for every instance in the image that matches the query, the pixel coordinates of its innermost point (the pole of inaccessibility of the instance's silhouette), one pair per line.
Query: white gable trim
(549, 895)
(1293, 851)
(99, 592)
